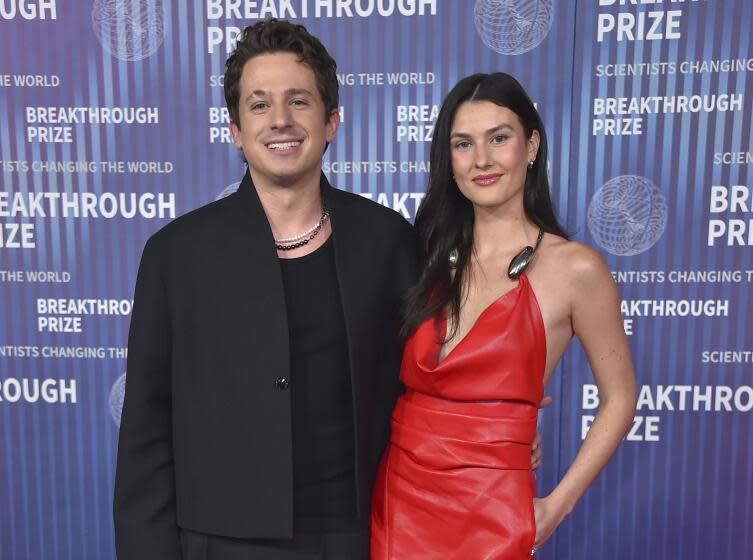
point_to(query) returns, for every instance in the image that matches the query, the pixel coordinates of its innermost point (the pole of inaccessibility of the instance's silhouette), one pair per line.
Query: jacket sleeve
(144, 503)
(406, 265)
(404, 269)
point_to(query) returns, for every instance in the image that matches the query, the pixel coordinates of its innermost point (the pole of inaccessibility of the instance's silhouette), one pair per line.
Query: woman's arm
(596, 321)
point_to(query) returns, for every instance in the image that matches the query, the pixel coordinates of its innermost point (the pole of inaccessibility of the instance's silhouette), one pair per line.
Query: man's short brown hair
(272, 36)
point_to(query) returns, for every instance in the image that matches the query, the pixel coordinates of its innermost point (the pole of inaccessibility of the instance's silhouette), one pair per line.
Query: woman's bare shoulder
(573, 261)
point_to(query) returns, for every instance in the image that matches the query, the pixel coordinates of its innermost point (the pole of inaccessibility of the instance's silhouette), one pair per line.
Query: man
(263, 352)
(262, 363)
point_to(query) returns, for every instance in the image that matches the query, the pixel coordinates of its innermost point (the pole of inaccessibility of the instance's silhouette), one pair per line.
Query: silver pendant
(519, 262)
(453, 258)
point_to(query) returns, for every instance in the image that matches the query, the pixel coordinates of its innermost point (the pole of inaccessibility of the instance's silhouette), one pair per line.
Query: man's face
(282, 129)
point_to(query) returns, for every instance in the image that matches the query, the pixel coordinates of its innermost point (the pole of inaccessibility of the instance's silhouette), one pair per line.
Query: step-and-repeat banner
(112, 123)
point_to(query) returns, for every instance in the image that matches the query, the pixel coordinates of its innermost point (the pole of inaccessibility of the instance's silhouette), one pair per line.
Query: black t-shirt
(323, 438)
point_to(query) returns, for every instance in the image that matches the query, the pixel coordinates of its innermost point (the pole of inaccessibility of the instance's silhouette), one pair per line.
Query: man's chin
(287, 180)
(289, 177)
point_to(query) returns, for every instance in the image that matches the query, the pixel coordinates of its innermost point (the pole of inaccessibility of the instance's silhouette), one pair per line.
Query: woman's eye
(462, 145)
(499, 138)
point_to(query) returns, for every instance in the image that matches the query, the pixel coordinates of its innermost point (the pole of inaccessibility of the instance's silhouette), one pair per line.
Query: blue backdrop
(113, 122)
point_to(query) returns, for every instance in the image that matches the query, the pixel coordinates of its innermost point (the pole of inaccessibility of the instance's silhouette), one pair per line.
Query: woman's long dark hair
(445, 219)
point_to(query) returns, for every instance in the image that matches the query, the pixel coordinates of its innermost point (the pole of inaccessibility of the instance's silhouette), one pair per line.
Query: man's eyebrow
(288, 92)
(256, 93)
(298, 91)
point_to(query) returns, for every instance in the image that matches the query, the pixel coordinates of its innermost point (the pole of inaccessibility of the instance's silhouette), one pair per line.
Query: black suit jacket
(205, 436)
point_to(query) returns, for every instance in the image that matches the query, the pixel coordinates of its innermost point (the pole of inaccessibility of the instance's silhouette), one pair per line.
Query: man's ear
(235, 132)
(333, 122)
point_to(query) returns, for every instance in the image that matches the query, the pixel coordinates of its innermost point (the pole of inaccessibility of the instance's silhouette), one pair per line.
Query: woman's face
(490, 154)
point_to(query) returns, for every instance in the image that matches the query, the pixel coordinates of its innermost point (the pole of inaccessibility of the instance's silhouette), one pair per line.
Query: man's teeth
(283, 145)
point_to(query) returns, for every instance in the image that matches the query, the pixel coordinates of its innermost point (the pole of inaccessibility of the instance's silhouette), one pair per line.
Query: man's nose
(281, 116)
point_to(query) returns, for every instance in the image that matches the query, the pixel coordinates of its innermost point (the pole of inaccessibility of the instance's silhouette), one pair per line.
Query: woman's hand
(548, 515)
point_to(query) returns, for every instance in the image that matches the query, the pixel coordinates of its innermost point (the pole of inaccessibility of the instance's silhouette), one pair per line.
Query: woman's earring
(530, 164)
(453, 259)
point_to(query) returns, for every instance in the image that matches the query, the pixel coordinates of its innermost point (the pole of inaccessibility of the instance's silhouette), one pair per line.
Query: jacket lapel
(262, 276)
(348, 260)
(347, 251)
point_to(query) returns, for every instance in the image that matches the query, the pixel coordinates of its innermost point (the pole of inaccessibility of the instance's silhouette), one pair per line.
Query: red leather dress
(456, 480)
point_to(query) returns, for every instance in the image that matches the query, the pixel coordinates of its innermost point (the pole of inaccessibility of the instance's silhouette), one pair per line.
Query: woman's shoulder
(578, 262)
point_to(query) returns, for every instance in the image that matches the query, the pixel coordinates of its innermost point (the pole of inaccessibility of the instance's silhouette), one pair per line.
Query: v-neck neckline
(439, 362)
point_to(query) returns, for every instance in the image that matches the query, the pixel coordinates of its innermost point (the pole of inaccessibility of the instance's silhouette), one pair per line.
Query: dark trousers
(305, 546)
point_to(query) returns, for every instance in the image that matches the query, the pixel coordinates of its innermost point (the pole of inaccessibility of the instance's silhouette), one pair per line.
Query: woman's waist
(497, 391)
(495, 434)
(511, 408)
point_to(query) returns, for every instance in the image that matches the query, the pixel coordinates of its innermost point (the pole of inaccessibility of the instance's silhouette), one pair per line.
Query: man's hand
(536, 446)
(536, 452)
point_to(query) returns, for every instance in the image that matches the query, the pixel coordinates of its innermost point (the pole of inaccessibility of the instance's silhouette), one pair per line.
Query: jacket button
(282, 383)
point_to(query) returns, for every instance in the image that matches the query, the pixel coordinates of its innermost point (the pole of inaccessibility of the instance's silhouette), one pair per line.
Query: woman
(484, 339)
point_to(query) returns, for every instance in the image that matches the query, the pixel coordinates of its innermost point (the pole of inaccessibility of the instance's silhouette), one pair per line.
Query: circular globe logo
(627, 215)
(230, 189)
(117, 394)
(513, 26)
(129, 29)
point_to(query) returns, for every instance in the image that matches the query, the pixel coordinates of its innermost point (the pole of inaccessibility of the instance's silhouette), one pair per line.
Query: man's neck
(290, 209)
